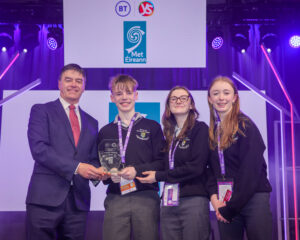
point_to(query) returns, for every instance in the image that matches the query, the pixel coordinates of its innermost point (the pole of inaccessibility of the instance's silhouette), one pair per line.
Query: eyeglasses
(183, 98)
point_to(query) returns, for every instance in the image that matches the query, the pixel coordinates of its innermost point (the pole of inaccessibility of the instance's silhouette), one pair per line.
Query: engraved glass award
(109, 155)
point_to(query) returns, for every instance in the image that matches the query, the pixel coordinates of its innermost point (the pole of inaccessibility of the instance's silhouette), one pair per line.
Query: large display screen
(135, 33)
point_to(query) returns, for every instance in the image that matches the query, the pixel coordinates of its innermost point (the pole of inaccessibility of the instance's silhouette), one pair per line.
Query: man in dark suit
(62, 140)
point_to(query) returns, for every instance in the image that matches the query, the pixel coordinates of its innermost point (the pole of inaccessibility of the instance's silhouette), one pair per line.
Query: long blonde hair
(230, 124)
(169, 121)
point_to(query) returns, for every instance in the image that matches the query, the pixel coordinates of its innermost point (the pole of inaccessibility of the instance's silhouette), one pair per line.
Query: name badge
(127, 186)
(225, 187)
(171, 194)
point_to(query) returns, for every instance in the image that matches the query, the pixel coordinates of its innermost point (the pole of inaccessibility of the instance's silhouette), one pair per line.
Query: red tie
(74, 124)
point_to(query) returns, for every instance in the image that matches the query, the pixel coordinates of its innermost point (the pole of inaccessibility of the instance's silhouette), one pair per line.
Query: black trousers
(255, 218)
(62, 222)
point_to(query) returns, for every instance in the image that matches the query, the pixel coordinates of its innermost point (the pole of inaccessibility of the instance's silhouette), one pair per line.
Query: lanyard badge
(171, 194)
(171, 191)
(225, 186)
(126, 186)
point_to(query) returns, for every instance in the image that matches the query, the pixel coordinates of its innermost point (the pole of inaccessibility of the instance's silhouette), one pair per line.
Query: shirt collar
(177, 130)
(66, 105)
(138, 115)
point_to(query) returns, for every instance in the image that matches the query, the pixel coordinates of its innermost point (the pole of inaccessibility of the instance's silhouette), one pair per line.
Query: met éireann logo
(135, 42)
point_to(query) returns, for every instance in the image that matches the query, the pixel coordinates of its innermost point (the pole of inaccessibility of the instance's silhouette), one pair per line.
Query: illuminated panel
(9, 65)
(292, 136)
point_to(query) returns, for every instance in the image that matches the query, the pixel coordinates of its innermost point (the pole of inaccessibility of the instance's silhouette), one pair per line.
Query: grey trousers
(188, 221)
(255, 218)
(133, 215)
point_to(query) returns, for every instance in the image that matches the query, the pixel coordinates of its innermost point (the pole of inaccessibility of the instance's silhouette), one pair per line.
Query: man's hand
(128, 173)
(103, 173)
(88, 171)
(149, 178)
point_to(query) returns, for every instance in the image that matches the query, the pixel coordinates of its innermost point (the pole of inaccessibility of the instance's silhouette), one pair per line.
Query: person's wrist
(76, 170)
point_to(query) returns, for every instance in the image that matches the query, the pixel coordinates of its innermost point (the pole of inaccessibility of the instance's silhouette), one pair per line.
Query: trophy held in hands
(110, 157)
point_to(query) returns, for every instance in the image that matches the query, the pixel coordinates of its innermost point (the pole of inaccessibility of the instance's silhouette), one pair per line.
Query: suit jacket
(56, 157)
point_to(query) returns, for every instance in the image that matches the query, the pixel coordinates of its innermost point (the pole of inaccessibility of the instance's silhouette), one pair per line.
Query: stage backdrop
(135, 33)
(16, 160)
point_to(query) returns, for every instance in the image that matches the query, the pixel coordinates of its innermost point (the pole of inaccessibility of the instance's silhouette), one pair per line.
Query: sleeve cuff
(161, 176)
(76, 172)
(212, 192)
(227, 212)
(138, 170)
(108, 181)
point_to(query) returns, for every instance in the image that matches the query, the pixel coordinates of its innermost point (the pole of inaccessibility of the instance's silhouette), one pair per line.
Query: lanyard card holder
(225, 187)
(127, 186)
(171, 194)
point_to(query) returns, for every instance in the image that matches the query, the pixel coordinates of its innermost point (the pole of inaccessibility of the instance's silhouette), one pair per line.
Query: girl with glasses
(185, 203)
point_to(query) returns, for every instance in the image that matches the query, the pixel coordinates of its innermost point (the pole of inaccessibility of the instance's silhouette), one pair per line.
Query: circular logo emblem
(123, 8)
(146, 8)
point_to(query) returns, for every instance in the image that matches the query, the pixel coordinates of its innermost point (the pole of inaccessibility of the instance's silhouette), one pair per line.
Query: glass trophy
(109, 155)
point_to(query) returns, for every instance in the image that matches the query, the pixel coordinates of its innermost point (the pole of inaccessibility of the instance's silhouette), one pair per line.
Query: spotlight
(269, 37)
(215, 38)
(217, 42)
(54, 38)
(295, 41)
(6, 36)
(240, 37)
(29, 36)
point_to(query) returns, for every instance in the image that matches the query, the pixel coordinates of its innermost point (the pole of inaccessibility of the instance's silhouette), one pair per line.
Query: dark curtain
(45, 64)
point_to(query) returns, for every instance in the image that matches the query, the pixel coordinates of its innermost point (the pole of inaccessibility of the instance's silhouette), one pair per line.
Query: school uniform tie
(74, 124)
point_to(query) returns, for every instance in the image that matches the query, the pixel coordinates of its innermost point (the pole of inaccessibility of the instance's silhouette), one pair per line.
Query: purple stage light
(6, 36)
(240, 37)
(295, 41)
(29, 38)
(52, 43)
(217, 43)
(54, 38)
(269, 37)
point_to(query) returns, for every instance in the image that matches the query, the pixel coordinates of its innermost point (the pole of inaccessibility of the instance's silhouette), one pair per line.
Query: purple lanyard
(123, 149)
(220, 151)
(172, 154)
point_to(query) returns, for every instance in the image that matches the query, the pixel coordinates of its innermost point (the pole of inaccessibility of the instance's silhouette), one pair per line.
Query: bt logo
(123, 8)
(146, 8)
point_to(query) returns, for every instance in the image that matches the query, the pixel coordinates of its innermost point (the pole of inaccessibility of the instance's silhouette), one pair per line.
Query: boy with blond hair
(131, 207)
